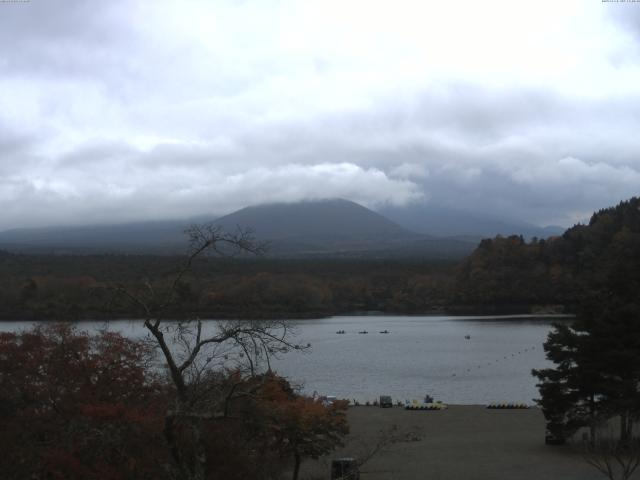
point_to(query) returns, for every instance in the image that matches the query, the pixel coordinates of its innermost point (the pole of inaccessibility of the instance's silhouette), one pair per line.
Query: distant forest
(503, 275)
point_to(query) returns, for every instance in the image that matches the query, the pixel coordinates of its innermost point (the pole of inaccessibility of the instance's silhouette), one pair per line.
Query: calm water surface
(419, 355)
(422, 355)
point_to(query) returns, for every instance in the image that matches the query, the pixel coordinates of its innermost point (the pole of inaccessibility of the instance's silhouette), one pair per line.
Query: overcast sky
(116, 110)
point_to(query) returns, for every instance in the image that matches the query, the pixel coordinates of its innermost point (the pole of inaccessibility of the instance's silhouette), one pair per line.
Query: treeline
(510, 271)
(83, 287)
(504, 274)
(561, 270)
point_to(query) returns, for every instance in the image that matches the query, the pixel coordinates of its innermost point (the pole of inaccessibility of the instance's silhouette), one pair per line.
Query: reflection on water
(420, 355)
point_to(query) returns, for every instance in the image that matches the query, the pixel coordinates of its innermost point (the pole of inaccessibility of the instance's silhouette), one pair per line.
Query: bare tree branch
(613, 458)
(189, 350)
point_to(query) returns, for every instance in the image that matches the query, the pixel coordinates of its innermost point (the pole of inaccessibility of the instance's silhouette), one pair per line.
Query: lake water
(420, 355)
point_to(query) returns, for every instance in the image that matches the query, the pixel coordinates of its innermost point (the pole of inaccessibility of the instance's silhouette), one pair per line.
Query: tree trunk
(191, 464)
(170, 437)
(296, 468)
(593, 428)
(200, 453)
(625, 428)
(592, 434)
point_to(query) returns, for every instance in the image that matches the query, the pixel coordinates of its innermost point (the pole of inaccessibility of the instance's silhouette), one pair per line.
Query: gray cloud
(127, 193)
(625, 14)
(117, 111)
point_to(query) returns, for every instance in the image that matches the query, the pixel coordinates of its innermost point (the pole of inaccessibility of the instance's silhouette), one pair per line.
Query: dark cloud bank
(111, 112)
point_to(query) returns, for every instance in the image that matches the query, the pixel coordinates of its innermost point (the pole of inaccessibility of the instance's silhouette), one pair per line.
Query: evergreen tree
(597, 372)
(614, 331)
(569, 392)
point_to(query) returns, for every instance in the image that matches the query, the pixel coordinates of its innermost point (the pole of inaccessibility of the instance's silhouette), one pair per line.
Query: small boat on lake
(340, 332)
(363, 332)
(467, 337)
(384, 331)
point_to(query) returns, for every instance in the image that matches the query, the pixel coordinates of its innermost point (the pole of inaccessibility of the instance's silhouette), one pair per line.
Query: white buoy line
(496, 361)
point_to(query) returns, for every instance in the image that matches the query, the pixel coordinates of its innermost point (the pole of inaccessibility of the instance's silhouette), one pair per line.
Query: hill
(333, 219)
(601, 256)
(312, 228)
(337, 227)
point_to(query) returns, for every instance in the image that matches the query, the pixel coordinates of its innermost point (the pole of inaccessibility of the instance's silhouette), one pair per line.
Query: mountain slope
(139, 237)
(325, 219)
(312, 228)
(337, 227)
(443, 221)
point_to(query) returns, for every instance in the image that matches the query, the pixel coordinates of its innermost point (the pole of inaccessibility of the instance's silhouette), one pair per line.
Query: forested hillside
(560, 270)
(71, 287)
(503, 275)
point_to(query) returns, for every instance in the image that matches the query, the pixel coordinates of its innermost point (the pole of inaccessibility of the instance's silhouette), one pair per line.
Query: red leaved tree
(75, 406)
(293, 425)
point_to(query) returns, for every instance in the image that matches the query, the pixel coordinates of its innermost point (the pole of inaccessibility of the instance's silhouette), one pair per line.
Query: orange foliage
(294, 425)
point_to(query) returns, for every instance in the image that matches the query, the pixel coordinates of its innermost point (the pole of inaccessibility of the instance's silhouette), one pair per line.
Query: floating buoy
(510, 406)
(426, 406)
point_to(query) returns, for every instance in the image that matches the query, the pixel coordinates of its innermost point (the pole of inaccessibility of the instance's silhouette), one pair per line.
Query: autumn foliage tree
(79, 406)
(76, 406)
(293, 425)
(93, 407)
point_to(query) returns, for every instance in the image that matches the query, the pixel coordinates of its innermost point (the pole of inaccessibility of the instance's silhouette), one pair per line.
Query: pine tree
(569, 392)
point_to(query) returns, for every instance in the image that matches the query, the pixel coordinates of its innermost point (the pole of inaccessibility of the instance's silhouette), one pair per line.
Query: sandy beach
(464, 442)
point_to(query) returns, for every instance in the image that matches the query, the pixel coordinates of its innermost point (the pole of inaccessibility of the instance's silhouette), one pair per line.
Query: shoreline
(466, 315)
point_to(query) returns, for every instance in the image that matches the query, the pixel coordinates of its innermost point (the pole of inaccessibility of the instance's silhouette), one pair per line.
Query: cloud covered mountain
(444, 221)
(333, 227)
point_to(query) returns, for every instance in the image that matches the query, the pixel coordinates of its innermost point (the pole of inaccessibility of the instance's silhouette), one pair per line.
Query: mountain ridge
(443, 221)
(330, 227)
(320, 218)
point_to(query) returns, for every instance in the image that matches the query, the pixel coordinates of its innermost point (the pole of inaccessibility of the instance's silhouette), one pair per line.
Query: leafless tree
(615, 459)
(365, 450)
(196, 353)
(386, 438)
